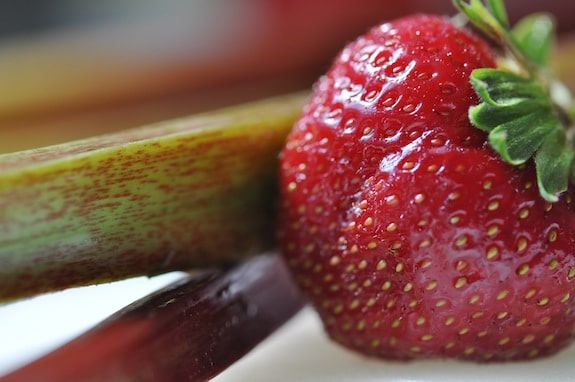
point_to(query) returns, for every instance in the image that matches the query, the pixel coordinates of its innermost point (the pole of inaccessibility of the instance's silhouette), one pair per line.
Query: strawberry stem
(527, 113)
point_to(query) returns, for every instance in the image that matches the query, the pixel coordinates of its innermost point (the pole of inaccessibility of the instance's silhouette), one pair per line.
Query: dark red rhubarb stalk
(189, 331)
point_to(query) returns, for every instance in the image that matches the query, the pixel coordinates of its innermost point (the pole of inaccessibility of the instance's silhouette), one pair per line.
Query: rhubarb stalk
(189, 331)
(181, 194)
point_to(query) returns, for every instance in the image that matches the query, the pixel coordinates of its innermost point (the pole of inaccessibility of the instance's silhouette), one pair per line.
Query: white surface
(298, 352)
(32, 327)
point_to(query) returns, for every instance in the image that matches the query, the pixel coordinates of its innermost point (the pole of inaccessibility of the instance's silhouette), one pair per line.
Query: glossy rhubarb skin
(188, 331)
(181, 194)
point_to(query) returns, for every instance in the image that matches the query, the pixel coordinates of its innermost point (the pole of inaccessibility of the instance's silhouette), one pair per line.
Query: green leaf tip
(523, 110)
(535, 35)
(497, 8)
(554, 163)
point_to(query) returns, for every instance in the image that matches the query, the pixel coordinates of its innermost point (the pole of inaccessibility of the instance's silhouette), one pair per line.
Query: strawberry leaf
(520, 119)
(535, 36)
(497, 8)
(553, 162)
(517, 140)
(525, 112)
(503, 88)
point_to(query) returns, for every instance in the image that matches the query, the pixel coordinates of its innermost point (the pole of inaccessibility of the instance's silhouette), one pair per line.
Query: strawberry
(425, 208)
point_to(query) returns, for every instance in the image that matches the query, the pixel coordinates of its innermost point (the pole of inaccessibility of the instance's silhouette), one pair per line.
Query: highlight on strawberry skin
(426, 202)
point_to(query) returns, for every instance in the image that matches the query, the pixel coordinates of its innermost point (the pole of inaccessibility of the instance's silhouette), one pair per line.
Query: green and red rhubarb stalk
(181, 194)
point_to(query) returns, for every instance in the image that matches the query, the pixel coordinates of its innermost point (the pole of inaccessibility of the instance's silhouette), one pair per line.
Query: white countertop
(299, 351)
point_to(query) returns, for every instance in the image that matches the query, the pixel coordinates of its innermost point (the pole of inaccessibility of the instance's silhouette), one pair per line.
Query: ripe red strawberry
(409, 234)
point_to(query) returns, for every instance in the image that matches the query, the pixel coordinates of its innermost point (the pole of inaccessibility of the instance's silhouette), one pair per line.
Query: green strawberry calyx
(525, 111)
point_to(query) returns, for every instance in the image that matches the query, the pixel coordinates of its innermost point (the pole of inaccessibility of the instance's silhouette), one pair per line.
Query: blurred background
(76, 68)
